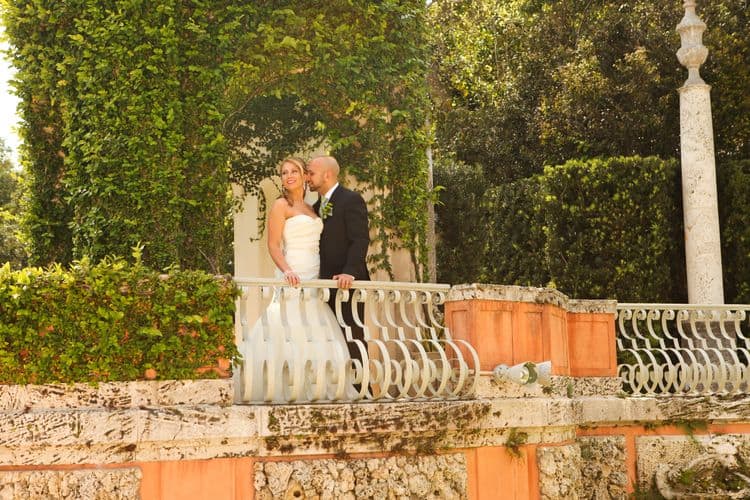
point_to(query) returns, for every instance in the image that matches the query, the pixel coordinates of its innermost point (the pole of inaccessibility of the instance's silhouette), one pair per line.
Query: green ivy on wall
(351, 75)
(122, 108)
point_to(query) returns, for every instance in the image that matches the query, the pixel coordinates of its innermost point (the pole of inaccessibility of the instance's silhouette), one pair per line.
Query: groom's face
(316, 177)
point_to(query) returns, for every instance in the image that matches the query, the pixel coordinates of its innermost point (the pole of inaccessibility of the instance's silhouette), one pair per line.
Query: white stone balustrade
(669, 349)
(407, 353)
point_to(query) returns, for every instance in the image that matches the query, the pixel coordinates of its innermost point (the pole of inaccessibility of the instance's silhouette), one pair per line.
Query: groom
(345, 237)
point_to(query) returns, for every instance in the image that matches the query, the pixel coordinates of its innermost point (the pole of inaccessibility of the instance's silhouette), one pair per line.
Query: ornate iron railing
(668, 349)
(406, 353)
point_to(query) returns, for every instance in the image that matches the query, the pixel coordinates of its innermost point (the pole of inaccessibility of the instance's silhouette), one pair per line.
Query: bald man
(345, 237)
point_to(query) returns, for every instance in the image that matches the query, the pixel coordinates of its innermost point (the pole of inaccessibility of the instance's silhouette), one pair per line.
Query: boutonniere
(326, 211)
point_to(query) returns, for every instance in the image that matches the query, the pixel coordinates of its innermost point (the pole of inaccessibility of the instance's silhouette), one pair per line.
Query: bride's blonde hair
(301, 166)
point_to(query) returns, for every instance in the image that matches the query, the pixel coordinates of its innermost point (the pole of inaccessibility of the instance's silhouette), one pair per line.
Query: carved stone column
(699, 198)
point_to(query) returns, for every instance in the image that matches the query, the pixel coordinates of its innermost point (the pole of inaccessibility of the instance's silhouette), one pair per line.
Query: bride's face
(291, 177)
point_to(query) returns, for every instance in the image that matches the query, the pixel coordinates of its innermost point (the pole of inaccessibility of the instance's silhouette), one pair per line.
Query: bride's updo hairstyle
(301, 166)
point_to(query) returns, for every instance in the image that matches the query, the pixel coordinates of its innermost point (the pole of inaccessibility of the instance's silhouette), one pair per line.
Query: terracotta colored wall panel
(498, 474)
(591, 340)
(487, 325)
(494, 334)
(555, 328)
(217, 479)
(527, 334)
(458, 322)
(579, 344)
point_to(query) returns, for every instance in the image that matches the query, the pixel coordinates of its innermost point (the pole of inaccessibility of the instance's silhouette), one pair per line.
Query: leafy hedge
(459, 225)
(614, 228)
(514, 234)
(113, 321)
(734, 214)
(600, 228)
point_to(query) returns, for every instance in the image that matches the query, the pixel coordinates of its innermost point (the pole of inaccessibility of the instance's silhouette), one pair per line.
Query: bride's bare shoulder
(280, 205)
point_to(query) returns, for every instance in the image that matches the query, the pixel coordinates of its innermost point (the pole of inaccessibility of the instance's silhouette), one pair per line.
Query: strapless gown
(296, 351)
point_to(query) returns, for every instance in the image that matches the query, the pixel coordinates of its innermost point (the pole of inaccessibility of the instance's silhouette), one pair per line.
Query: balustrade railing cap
(362, 284)
(592, 306)
(509, 293)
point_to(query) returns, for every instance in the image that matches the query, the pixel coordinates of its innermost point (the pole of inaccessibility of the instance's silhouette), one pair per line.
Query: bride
(296, 350)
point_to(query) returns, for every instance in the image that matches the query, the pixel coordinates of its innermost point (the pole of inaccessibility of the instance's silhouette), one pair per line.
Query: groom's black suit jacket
(343, 249)
(345, 237)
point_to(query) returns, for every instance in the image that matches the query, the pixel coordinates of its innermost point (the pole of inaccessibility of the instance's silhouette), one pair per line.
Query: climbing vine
(351, 75)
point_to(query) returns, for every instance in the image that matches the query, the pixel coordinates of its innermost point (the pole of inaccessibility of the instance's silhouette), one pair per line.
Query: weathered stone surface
(604, 470)
(108, 436)
(101, 434)
(116, 394)
(94, 484)
(427, 476)
(421, 427)
(618, 410)
(592, 306)
(561, 387)
(510, 293)
(664, 455)
(352, 418)
(559, 471)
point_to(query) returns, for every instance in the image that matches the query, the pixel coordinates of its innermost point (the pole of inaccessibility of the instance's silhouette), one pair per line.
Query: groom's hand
(344, 280)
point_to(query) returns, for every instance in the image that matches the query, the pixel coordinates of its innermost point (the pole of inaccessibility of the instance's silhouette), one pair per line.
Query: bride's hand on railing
(291, 277)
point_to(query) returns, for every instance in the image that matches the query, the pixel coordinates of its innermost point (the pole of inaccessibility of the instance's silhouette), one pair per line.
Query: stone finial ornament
(692, 52)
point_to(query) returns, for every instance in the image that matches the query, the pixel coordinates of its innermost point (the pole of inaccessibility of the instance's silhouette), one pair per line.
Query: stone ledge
(509, 293)
(116, 395)
(533, 295)
(644, 410)
(562, 387)
(69, 436)
(99, 434)
(601, 306)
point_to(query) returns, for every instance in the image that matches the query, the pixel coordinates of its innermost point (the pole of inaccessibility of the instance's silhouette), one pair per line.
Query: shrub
(614, 228)
(514, 239)
(460, 220)
(113, 321)
(734, 212)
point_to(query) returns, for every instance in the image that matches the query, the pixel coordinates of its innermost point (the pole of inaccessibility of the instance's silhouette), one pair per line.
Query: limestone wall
(579, 437)
(575, 439)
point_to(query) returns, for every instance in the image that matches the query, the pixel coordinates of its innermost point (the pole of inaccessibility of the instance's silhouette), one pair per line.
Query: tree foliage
(519, 84)
(113, 321)
(600, 228)
(11, 248)
(611, 226)
(734, 211)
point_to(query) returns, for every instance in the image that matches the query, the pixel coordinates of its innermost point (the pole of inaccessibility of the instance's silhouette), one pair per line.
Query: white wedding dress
(296, 351)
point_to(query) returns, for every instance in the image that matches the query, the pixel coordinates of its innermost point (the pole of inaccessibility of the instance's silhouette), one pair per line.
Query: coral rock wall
(436, 476)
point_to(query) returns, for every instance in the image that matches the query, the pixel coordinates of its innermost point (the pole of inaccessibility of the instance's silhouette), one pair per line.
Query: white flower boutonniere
(326, 211)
